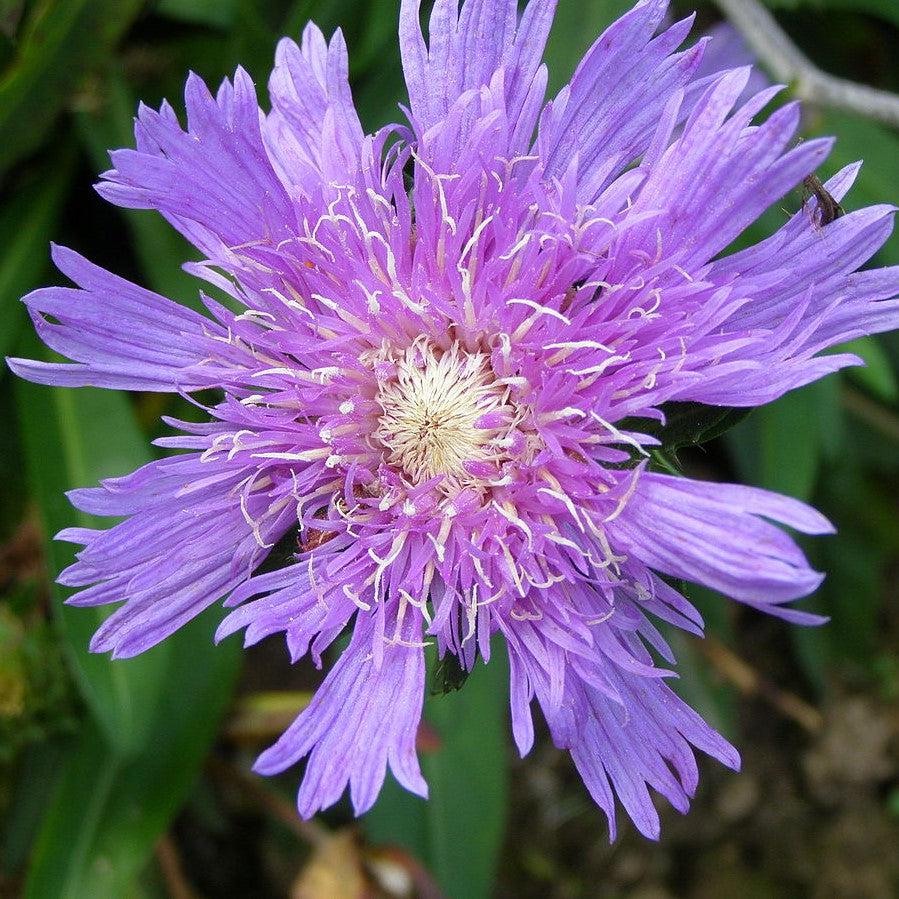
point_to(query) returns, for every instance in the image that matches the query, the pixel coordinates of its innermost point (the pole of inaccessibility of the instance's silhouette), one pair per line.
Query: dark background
(129, 778)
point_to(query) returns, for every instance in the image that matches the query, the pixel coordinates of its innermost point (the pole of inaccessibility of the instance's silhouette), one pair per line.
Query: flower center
(436, 412)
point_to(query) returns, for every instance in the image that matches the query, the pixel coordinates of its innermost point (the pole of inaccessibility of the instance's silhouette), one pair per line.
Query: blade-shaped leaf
(36, 777)
(109, 812)
(61, 41)
(876, 375)
(857, 566)
(212, 13)
(72, 438)
(782, 445)
(887, 10)
(687, 424)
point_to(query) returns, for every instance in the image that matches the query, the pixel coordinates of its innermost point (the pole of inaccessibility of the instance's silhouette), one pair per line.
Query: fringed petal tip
(652, 748)
(231, 624)
(718, 535)
(360, 721)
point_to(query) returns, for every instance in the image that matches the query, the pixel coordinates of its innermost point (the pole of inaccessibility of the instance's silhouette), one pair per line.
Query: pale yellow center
(430, 408)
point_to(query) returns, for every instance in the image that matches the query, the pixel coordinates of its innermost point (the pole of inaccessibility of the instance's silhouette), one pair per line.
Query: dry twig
(269, 801)
(169, 860)
(878, 416)
(749, 682)
(789, 64)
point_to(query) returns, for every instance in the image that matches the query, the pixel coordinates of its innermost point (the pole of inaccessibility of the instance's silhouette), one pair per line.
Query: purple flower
(431, 341)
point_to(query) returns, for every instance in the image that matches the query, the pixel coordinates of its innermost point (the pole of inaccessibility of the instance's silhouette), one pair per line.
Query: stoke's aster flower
(432, 339)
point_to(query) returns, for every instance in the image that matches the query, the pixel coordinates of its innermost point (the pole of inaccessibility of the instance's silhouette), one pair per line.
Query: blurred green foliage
(97, 757)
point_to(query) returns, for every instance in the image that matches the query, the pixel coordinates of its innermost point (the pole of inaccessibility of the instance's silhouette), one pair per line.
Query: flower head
(435, 341)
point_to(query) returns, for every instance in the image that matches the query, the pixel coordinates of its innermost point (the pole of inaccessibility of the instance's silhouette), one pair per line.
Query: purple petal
(685, 529)
(465, 51)
(309, 86)
(361, 719)
(123, 336)
(214, 181)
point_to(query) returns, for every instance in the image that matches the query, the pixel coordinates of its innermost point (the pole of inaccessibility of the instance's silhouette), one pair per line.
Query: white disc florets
(442, 413)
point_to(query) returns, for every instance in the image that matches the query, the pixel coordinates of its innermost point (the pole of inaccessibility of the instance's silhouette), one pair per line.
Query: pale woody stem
(787, 63)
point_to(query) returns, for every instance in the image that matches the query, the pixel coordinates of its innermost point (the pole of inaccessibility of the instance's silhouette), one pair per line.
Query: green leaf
(781, 447)
(13, 490)
(62, 40)
(691, 424)
(213, 13)
(790, 446)
(856, 562)
(887, 10)
(377, 41)
(877, 374)
(851, 596)
(109, 812)
(72, 438)
(154, 717)
(37, 775)
(331, 14)
(27, 222)
(458, 832)
(447, 675)
(686, 424)
(884, 9)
